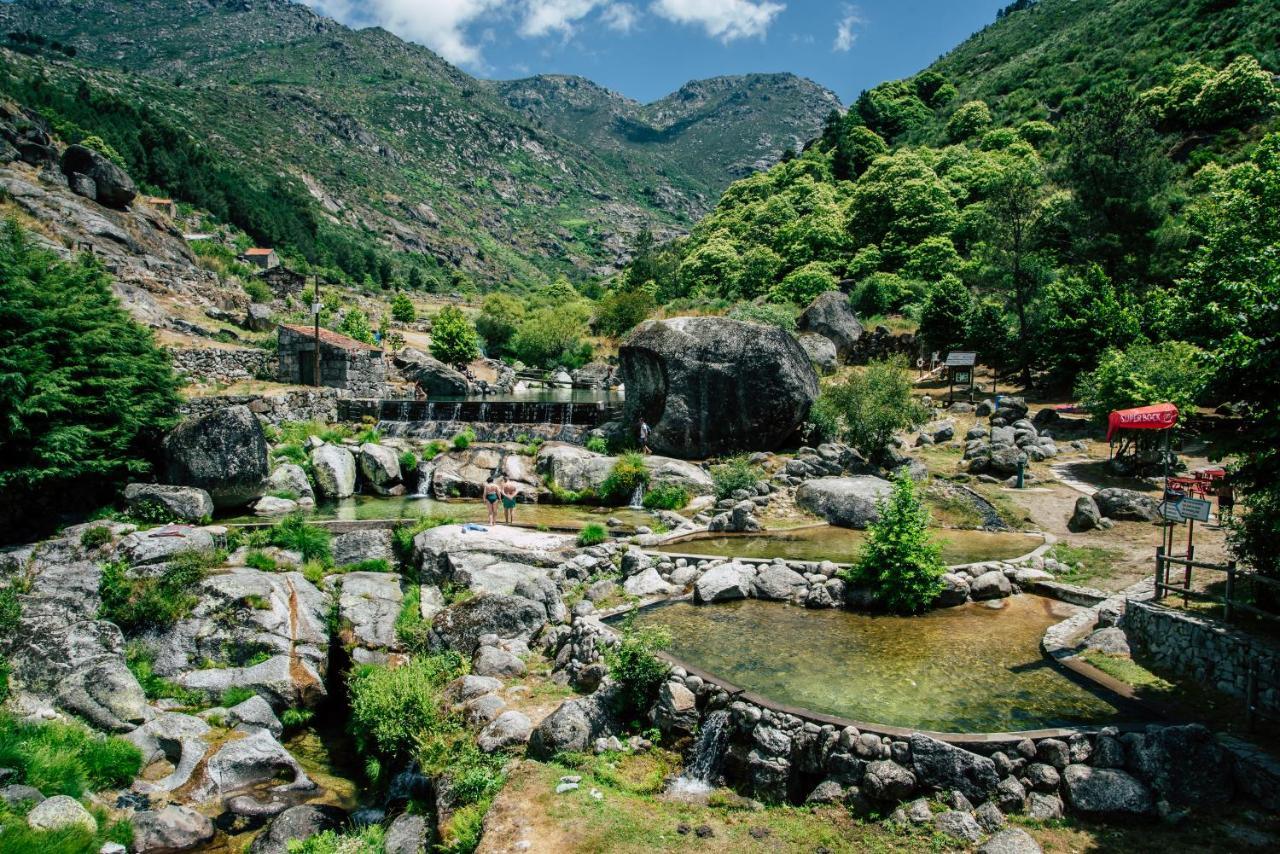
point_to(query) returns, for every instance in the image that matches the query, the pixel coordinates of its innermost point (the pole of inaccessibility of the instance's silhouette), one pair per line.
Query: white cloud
(439, 24)
(543, 17)
(847, 29)
(621, 17)
(721, 19)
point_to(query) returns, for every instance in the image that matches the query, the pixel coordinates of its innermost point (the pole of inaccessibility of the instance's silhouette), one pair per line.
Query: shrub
(592, 534)
(597, 445)
(635, 667)
(235, 696)
(432, 450)
(66, 758)
(391, 708)
(408, 461)
(873, 404)
(135, 603)
(885, 293)
(258, 290)
(463, 439)
(1173, 372)
(369, 436)
(622, 309)
(553, 336)
(373, 564)
(666, 496)
(98, 535)
(402, 309)
(365, 840)
(627, 474)
(261, 561)
(900, 563)
(500, 316)
(293, 718)
(734, 474)
(453, 338)
(294, 534)
(355, 324)
(412, 630)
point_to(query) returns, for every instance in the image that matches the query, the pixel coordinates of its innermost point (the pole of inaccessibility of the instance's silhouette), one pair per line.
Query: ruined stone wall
(209, 364)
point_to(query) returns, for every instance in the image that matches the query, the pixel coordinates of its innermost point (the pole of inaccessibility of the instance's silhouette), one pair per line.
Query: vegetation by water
(963, 669)
(900, 562)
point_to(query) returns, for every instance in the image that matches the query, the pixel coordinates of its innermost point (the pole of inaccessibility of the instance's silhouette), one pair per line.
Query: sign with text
(1194, 508)
(1170, 511)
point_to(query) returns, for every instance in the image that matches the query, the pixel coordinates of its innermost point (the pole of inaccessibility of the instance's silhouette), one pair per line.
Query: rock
(368, 606)
(1184, 764)
(887, 781)
(460, 626)
(990, 585)
(288, 477)
(362, 545)
(61, 812)
(255, 713)
(1105, 791)
(187, 503)
(161, 544)
(258, 318)
(379, 467)
(1126, 505)
(573, 726)
(335, 471)
(1111, 641)
(711, 385)
(826, 792)
(778, 583)
(407, 834)
(1086, 515)
(498, 663)
(575, 468)
(441, 553)
(647, 583)
(176, 738)
(957, 825)
(482, 710)
(16, 795)
(1044, 778)
(939, 431)
(1044, 807)
(989, 817)
(831, 315)
(170, 830)
(722, 584)
(301, 822)
(1014, 840)
(112, 185)
(943, 767)
(1010, 795)
(849, 502)
(509, 729)
(433, 376)
(820, 350)
(1028, 577)
(1053, 751)
(677, 710)
(269, 505)
(254, 760)
(223, 453)
(955, 591)
(469, 687)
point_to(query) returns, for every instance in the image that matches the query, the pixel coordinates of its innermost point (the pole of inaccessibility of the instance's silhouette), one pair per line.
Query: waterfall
(637, 498)
(700, 774)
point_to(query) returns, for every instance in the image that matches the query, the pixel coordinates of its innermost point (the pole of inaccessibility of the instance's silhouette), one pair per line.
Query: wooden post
(1186, 576)
(1160, 572)
(1229, 599)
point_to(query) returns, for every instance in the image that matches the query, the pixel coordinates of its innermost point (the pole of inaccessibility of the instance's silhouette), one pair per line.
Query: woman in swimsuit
(509, 492)
(491, 496)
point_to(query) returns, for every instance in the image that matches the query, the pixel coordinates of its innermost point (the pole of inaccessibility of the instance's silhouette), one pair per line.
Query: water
(609, 397)
(637, 498)
(365, 507)
(827, 542)
(965, 669)
(703, 771)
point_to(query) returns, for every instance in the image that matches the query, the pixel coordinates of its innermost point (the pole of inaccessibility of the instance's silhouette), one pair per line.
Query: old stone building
(353, 367)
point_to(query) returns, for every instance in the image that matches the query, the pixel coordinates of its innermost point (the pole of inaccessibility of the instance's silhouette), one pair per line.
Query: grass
(15, 835)
(141, 662)
(1087, 562)
(1127, 671)
(298, 432)
(374, 564)
(66, 758)
(592, 534)
(402, 535)
(293, 533)
(411, 629)
(235, 696)
(136, 603)
(260, 560)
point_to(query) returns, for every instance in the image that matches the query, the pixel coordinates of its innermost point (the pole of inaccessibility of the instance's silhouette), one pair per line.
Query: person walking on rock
(509, 493)
(644, 437)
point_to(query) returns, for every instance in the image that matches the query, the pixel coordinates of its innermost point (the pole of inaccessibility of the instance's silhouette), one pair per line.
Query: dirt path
(518, 823)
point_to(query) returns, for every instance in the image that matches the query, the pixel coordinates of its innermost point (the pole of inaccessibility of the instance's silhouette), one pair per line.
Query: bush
(391, 708)
(782, 315)
(355, 324)
(636, 668)
(900, 563)
(666, 496)
(453, 338)
(261, 561)
(98, 535)
(413, 631)
(66, 758)
(463, 439)
(885, 293)
(408, 461)
(553, 335)
(500, 317)
(294, 534)
(235, 696)
(592, 534)
(366, 840)
(88, 394)
(135, 603)
(872, 404)
(258, 290)
(402, 309)
(734, 474)
(620, 310)
(597, 445)
(627, 474)
(1171, 372)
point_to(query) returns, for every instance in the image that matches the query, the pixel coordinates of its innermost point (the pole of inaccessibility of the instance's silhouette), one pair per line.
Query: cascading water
(637, 498)
(700, 774)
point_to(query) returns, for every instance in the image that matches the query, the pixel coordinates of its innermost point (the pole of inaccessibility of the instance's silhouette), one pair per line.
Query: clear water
(826, 542)
(965, 669)
(365, 507)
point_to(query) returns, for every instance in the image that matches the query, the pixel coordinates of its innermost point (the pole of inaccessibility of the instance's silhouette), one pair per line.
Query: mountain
(326, 140)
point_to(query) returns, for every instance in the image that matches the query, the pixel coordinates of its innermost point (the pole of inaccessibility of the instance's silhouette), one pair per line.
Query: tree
(946, 315)
(802, 285)
(856, 147)
(86, 394)
(872, 404)
(971, 119)
(549, 337)
(621, 309)
(453, 338)
(500, 316)
(402, 309)
(355, 323)
(1170, 372)
(1078, 318)
(900, 563)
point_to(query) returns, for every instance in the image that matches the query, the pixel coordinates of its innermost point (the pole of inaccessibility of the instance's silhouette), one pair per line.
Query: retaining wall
(209, 364)
(309, 404)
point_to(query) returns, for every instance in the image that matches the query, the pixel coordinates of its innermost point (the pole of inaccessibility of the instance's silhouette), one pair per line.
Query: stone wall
(208, 364)
(880, 343)
(357, 369)
(308, 404)
(1204, 651)
(486, 432)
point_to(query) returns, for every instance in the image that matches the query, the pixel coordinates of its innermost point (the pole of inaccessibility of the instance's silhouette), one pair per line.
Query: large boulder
(1126, 505)
(461, 626)
(575, 468)
(113, 186)
(368, 605)
(1105, 791)
(61, 812)
(170, 830)
(462, 474)
(722, 583)
(831, 316)
(778, 583)
(288, 477)
(509, 729)
(821, 351)
(188, 503)
(1086, 516)
(574, 726)
(1185, 765)
(301, 822)
(711, 385)
(445, 553)
(945, 768)
(849, 502)
(433, 376)
(380, 468)
(335, 471)
(223, 453)
(257, 760)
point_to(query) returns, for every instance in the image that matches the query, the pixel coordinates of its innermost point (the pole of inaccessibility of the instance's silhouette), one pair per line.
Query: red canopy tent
(1157, 416)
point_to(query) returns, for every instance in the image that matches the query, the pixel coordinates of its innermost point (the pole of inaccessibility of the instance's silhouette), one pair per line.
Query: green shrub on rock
(597, 445)
(66, 758)
(310, 541)
(135, 603)
(733, 474)
(391, 708)
(666, 496)
(592, 534)
(627, 474)
(636, 668)
(900, 563)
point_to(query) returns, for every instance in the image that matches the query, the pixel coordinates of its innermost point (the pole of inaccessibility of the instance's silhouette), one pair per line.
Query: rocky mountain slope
(359, 135)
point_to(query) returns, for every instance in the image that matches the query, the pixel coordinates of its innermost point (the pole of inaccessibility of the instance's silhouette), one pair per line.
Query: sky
(645, 49)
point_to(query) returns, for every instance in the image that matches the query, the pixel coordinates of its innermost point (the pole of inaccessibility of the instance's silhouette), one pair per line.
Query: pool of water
(965, 669)
(363, 507)
(826, 542)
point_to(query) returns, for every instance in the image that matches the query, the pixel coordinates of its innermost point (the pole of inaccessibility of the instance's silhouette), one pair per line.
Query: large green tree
(85, 392)
(453, 338)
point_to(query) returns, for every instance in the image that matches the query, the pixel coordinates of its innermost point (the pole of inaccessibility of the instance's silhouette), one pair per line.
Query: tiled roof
(259, 251)
(330, 337)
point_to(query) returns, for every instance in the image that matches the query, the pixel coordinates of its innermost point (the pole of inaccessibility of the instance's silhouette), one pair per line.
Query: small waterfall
(637, 498)
(700, 774)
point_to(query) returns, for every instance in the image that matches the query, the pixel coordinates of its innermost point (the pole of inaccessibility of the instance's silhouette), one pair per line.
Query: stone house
(264, 258)
(283, 281)
(353, 367)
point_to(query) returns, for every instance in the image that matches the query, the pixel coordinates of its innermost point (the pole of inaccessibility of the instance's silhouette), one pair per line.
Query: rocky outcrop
(820, 350)
(335, 471)
(223, 453)
(462, 474)
(169, 830)
(849, 502)
(574, 468)
(1086, 516)
(461, 626)
(831, 315)
(1126, 505)
(368, 605)
(573, 727)
(110, 185)
(433, 376)
(711, 385)
(380, 469)
(188, 503)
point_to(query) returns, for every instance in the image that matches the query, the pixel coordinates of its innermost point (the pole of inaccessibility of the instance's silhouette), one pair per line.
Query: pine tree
(900, 562)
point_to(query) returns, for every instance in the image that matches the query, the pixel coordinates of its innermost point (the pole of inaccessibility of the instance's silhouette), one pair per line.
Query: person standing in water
(491, 497)
(509, 492)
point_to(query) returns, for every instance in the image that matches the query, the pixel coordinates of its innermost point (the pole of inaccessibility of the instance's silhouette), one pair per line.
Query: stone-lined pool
(964, 669)
(365, 507)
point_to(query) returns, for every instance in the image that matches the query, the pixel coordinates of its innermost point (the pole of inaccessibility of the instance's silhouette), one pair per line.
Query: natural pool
(364, 507)
(964, 669)
(827, 542)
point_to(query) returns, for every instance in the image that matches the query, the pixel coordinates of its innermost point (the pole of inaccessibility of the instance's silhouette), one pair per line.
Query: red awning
(1157, 416)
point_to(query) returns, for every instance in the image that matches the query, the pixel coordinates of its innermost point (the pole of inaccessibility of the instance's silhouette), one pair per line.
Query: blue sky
(648, 48)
